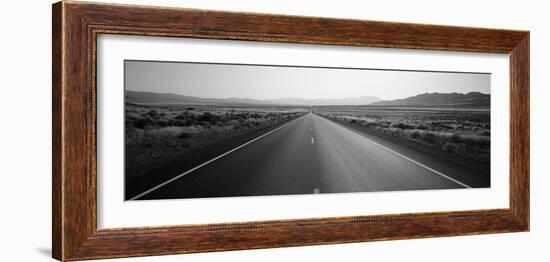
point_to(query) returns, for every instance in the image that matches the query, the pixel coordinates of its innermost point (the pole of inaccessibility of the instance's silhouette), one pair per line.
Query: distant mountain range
(426, 99)
(167, 98)
(440, 99)
(361, 100)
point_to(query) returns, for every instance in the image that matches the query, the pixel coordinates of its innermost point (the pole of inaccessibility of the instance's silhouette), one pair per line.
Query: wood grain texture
(57, 191)
(519, 129)
(75, 29)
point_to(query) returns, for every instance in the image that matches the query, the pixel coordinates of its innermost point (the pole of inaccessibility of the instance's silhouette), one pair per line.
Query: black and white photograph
(200, 130)
(271, 131)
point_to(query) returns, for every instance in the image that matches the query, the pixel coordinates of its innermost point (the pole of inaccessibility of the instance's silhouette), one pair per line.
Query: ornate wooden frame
(76, 26)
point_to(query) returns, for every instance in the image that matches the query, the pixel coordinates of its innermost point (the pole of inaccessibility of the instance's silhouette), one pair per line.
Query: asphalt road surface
(312, 154)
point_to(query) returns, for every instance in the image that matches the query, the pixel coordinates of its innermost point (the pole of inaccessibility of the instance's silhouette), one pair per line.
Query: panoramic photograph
(201, 130)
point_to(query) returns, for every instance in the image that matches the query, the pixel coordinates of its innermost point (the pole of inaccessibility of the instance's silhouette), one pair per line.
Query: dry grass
(154, 133)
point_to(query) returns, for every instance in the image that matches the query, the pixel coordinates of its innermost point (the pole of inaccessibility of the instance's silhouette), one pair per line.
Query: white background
(113, 212)
(25, 136)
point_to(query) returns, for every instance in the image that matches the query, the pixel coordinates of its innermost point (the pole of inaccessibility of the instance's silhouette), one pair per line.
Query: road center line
(209, 161)
(407, 158)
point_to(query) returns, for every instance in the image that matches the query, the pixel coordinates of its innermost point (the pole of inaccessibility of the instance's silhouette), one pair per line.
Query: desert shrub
(454, 147)
(153, 114)
(223, 118)
(177, 122)
(475, 140)
(459, 128)
(164, 122)
(402, 126)
(183, 116)
(421, 127)
(445, 126)
(190, 122)
(450, 147)
(373, 125)
(393, 131)
(232, 122)
(415, 134)
(428, 137)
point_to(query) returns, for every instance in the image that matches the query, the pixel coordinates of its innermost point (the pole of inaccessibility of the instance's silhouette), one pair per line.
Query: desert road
(312, 154)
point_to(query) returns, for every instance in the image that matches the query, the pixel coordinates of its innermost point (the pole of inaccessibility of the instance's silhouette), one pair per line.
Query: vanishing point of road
(312, 154)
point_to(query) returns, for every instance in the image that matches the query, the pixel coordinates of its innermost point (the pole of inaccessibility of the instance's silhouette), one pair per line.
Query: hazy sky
(270, 82)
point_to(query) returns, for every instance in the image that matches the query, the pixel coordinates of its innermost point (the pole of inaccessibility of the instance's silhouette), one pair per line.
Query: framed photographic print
(182, 130)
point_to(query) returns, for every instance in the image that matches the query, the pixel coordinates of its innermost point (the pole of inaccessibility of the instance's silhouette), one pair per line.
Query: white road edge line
(420, 164)
(208, 162)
